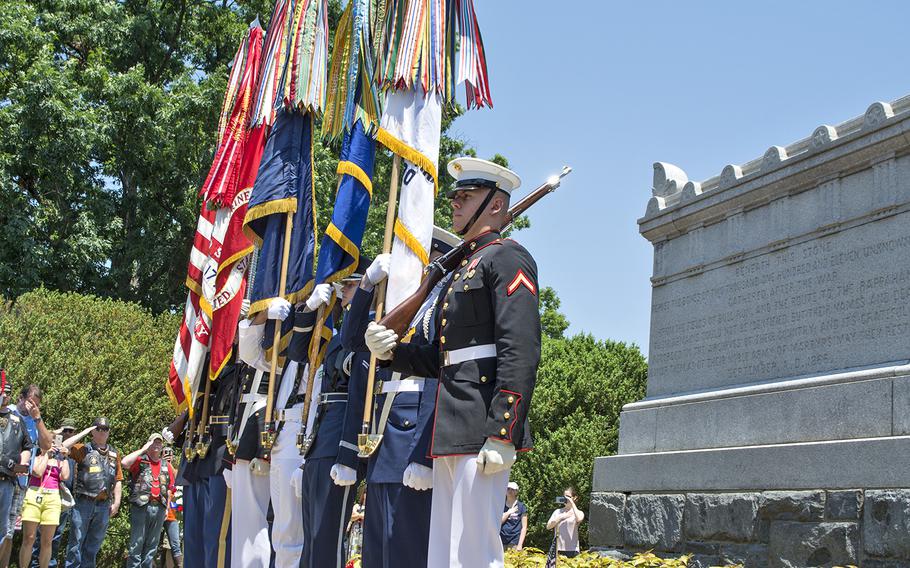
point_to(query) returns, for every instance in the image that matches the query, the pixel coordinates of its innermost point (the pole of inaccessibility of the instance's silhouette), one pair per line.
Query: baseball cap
(101, 422)
(513, 485)
(156, 436)
(67, 424)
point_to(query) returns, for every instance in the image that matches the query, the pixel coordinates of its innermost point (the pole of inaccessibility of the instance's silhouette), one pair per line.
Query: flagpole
(268, 435)
(304, 441)
(188, 450)
(201, 447)
(366, 442)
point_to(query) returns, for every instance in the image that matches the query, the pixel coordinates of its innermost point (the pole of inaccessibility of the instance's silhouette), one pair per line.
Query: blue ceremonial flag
(340, 249)
(284, 184)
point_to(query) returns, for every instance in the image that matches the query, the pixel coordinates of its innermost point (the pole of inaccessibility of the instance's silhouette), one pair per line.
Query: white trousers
(287, 528)
(465, 515)
(249, 526)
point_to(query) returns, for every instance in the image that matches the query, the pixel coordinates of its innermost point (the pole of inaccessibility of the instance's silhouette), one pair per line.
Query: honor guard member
(332, 466)
(206, 504)
(399, 473)
(486, 358)
(97, 492)
(15, 453)
(255, 479)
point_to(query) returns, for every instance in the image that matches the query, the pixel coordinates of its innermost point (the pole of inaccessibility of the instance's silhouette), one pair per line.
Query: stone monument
(776, 428)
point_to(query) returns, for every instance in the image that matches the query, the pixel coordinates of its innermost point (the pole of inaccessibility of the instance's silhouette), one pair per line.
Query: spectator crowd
(58, 480)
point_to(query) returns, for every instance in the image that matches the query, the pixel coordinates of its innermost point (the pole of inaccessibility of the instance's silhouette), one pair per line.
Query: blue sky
(609, 88)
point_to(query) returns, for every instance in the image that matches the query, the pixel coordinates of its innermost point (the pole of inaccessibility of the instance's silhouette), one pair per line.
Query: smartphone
(58, 440)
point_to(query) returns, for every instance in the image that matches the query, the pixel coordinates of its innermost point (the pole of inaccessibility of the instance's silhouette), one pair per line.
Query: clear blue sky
(611, 87)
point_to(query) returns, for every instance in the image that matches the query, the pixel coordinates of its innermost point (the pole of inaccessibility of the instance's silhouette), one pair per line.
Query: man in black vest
(97, 491)
(486, 357)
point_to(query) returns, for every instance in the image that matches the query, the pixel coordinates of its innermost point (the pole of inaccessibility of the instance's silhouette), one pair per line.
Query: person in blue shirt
(28, 410)
(514, 520)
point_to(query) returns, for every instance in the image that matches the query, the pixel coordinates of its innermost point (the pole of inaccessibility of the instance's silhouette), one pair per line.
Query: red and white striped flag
(193, 338)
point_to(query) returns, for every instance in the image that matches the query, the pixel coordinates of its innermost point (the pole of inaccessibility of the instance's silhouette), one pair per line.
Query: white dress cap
(476, 172)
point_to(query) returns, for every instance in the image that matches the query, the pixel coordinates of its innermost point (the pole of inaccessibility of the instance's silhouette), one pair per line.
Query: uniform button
(457, 276)
(442, 339)
(502, 432)
(483, 379)
(471, 273)
(511, 399)
(407, 422)
(450, 289)
(473, 246)
(465, 286)
(445, 306)
(464, 262)
(444, 321)
(506, 415)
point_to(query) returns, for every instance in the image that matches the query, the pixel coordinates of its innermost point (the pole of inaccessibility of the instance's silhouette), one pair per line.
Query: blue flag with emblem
(340, 249)
(284, 186)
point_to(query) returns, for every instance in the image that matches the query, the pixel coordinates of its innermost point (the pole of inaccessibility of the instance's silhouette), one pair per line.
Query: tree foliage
(582, 385)
(92, 357)
(108, 111)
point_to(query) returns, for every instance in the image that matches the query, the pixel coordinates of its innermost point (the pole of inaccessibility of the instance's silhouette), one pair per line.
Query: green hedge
(92, 356)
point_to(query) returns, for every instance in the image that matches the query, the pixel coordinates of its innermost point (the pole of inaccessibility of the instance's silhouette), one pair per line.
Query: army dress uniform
(206, 500)
(326, 507)
(257, 483)
(486, 358)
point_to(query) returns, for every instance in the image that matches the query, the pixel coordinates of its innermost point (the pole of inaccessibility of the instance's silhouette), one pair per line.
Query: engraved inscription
(839, 301)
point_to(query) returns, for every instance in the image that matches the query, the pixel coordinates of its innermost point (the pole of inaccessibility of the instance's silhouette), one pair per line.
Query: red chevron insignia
(521, 280)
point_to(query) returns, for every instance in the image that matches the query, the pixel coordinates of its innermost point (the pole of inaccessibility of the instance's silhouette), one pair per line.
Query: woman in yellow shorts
(42, 504)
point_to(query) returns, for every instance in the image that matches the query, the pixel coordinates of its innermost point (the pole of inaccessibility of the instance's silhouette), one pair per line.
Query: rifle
(400, 318)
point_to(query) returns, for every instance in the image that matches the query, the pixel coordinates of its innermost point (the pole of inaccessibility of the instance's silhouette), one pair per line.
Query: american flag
(551, 555)
(193, 338)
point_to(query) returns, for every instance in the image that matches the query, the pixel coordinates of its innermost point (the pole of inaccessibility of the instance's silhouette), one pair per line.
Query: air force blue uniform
(397, 518)
(326, 506)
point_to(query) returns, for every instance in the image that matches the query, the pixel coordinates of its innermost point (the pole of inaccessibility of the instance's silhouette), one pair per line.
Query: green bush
(582, 385)
(92, 357)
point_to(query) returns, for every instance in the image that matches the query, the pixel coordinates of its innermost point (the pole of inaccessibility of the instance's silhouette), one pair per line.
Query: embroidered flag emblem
(520, 280)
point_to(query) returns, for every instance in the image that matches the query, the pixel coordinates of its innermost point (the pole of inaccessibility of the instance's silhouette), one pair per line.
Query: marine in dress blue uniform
(397, 515)
(486, 357)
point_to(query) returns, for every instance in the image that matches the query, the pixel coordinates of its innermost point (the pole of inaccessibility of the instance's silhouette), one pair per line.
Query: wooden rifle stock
(400, 318)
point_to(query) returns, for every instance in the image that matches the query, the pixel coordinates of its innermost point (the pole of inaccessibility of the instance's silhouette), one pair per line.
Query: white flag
(410, 127)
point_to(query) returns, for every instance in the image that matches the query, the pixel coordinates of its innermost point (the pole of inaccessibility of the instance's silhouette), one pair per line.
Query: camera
(561, 500)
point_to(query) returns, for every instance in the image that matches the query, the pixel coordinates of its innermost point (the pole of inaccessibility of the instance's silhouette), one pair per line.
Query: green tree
(582, 385)
(92, 357)
(108, 110)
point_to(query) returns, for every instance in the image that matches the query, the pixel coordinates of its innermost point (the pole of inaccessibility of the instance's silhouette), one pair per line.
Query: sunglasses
(103, 428)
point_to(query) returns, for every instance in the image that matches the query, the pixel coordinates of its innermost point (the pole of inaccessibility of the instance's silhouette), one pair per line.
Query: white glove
(320, 297)
(379, 269)
(228, 475)
(259, 467)
(244, 308)
(297, 482)
(279, 309)
(343, 475)
(418, 477)
(495, 456)
(167, 435)
(380, 340)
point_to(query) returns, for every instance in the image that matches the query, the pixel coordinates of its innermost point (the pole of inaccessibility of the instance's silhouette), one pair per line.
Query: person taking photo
(42, 504)
(565, 521)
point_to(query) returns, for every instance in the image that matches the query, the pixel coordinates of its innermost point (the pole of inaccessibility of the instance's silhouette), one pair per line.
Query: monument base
(783, 505)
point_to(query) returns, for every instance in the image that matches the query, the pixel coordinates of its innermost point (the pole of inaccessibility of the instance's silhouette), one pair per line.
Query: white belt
(293, 414)
(404, 385)
(468, 354)
(252, 397)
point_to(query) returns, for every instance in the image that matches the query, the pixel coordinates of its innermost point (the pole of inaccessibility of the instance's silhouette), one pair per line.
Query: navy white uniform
(326, 507)
(397, 518)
